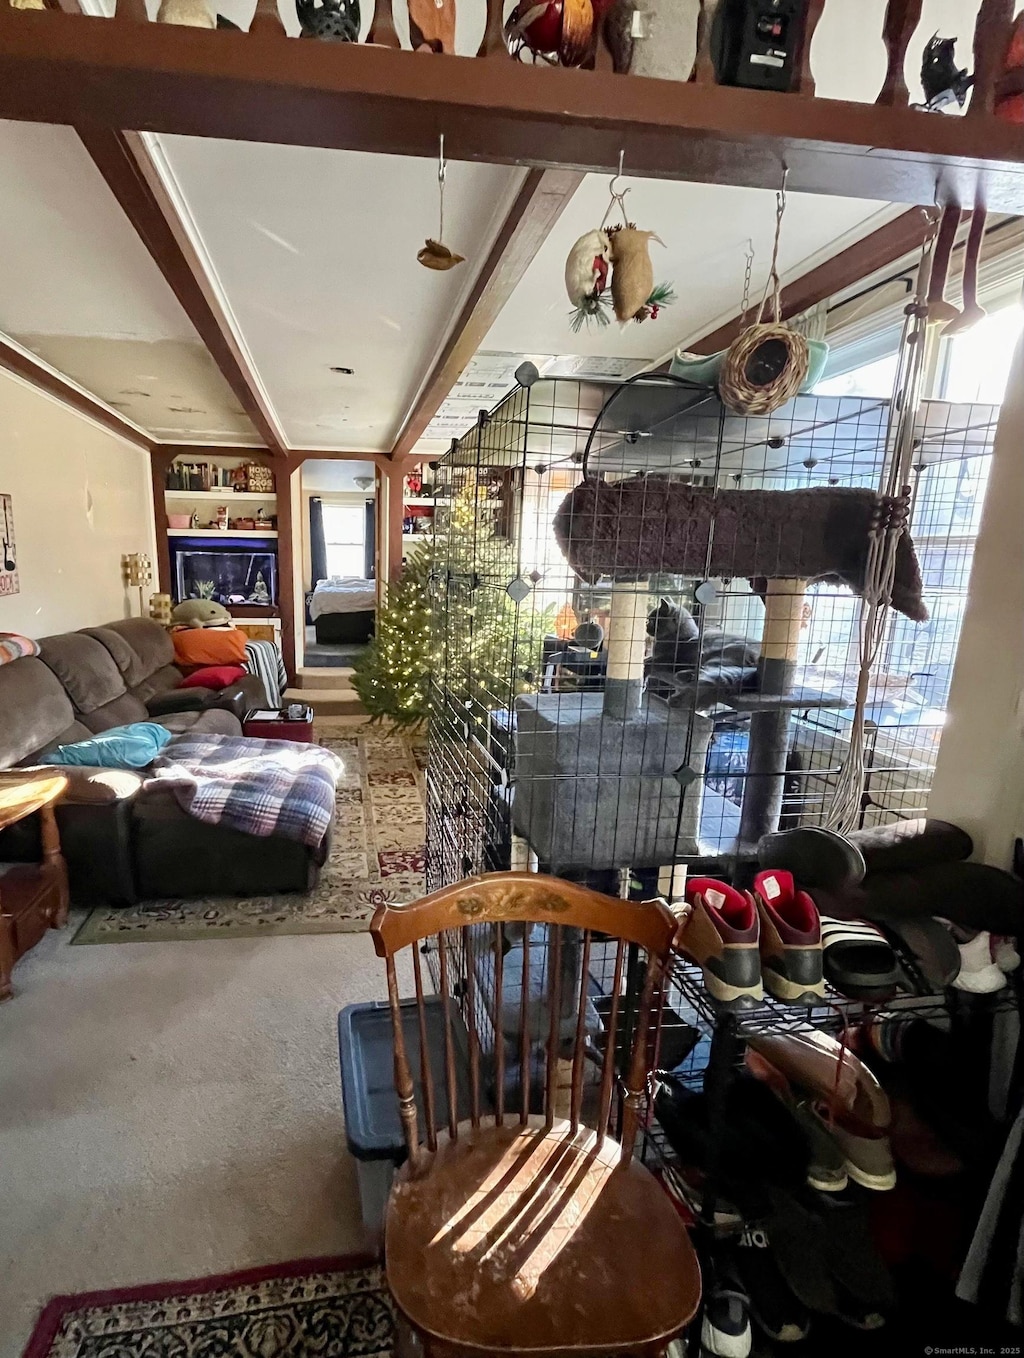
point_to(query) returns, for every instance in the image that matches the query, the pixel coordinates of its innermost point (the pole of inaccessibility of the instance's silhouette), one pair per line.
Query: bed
(343, 609)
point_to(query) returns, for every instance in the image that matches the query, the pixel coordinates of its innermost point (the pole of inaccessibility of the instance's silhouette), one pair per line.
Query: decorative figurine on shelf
(332, 20)
(435, 254)
(414, 483)
(944, 82)
(189, 13)
(222, 520)
(620, 252)
(559, 32)
(432, 25)
(260, 594)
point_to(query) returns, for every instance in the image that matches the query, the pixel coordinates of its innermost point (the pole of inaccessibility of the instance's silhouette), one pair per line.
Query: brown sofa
(125, 842)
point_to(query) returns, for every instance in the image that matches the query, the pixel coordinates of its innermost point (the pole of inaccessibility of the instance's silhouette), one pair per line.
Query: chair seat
(524, 1239)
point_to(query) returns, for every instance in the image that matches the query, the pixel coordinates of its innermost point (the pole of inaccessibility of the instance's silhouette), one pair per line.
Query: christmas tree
(392, 676)
(466, 622)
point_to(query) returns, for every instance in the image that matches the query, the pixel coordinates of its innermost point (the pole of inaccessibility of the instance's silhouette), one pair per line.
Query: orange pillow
(208, 646)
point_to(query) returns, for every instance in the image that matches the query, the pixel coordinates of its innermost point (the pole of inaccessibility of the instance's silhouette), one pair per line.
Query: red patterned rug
(337, 1308)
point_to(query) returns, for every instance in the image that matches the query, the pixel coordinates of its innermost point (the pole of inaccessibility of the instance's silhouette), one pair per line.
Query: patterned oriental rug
(376, 856)
(339, 1308)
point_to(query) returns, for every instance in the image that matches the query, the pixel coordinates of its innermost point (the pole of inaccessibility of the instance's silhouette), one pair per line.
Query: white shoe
(979, 975)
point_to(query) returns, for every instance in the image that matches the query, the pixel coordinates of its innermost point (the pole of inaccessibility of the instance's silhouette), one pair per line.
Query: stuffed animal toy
(200, 613)
(190, 13)
(633, 291)
(586, 276)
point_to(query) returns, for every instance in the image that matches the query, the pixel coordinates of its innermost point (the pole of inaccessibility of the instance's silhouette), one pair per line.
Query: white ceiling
(311, 257)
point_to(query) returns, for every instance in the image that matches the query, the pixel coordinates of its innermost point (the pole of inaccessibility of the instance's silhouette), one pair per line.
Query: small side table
(268, 724)
(33, 896)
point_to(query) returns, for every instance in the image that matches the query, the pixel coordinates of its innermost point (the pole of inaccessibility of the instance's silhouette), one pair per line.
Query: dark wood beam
(900, 237)
(39, 374)
(66, 68)
(538, 205)
(160, 232)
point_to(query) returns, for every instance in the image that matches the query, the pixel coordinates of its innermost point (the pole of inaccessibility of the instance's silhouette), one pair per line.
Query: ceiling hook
(615, 193)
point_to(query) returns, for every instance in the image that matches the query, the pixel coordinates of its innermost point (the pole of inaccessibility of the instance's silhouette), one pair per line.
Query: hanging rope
(883, 539)
(766, 365)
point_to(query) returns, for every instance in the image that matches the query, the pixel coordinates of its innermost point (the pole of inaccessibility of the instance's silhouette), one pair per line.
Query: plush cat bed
(646, 524)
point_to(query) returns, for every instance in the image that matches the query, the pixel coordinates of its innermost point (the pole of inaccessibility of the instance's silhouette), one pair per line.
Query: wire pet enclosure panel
(637, 712)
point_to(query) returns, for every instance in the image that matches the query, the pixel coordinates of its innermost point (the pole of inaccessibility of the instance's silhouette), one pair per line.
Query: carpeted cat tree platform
(613, 779)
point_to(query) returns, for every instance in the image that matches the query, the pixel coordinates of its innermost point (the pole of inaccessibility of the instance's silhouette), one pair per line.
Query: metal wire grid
(502, 592)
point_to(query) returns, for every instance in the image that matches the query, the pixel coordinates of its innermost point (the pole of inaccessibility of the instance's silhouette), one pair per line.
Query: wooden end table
(33, 896)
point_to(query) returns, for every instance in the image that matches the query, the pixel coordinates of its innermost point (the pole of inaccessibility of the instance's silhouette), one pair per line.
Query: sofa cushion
(35, 712)
(143, 652)
(95, 786)
(86, 669)
(213, 721)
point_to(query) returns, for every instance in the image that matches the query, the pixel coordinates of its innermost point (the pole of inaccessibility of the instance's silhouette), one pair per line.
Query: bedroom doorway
(339, 552)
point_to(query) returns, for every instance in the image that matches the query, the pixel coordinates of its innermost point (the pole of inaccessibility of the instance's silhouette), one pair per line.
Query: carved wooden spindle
(132, 10)
(432, 26)
(991, 39)
(493, 41)
(554, 1027)
(608, 1064)
(524, 1031)
(382, 29)
(426, 1074)
(703, 72)
(53, 859)
(267, 18)
(580, 1042)
(804, 81)
(938, 308)
(636, 1082)
(449, 1044)
(499, 1036)
(973, 311)
(403, 1076)
(901, 20)
(474, 1036)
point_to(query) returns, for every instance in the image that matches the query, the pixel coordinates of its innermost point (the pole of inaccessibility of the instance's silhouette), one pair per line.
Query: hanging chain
(746, 283)
(442, 167)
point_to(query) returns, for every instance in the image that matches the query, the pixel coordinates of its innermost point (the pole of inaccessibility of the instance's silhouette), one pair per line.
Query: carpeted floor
(173, 1112)
(376, 856)
(340, 655)
(337, 1307)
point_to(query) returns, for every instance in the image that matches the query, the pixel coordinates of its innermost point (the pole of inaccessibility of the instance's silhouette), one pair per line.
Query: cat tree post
(627, 646)
(769, 725)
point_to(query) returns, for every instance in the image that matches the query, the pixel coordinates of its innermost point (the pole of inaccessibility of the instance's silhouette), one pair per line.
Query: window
(345, 539)
(875, 378)
(976, 364)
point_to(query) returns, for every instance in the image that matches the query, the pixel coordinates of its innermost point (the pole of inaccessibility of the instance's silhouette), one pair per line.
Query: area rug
(339, 1308)
(377, 856)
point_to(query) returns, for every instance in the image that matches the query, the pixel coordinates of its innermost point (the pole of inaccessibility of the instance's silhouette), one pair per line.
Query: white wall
(81, 498)
(979, 777)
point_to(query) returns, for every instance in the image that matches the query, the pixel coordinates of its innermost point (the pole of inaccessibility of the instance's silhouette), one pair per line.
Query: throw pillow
(213, 676)
(13, 646)
(208, 646)
(122, 747)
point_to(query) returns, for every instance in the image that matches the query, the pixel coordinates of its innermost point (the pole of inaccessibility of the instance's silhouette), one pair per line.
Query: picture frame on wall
(8, 552)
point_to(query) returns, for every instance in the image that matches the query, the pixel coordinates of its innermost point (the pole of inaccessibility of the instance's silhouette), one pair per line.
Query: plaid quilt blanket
(261, 787)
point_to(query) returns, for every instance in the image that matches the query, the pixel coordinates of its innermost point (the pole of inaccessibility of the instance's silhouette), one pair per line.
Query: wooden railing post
(267, 18)
(493, 42)
(991, 39)
(382, 29)
(901, 20)
(804, 82)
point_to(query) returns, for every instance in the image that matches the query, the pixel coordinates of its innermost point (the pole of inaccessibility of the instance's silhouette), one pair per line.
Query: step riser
(340, 679)
(332, 703)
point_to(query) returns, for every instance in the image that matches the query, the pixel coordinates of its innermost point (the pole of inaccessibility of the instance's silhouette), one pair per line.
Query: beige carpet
(376, 856)
(172, 1112)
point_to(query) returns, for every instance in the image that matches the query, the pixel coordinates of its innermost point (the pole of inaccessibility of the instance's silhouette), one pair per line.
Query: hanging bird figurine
(586, 277)
(557, 31)
(634, 295)
(436, 255)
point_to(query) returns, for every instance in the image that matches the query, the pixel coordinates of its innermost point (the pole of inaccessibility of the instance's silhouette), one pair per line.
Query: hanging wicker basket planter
(764, 367)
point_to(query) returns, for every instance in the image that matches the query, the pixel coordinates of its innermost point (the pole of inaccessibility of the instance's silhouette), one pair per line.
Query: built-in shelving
(223, 496)
(222, 532)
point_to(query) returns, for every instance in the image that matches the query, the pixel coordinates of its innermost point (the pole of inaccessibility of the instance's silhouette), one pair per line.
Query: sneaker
(725, 1327)
(867, 1159)
(829, 1170)
(720, 931)
(791, 963)
(773, 1307)
(832, 1075)
(979, 975)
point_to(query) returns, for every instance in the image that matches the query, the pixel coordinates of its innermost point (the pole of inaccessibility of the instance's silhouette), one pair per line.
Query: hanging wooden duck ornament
(586, 277)
(619, 256)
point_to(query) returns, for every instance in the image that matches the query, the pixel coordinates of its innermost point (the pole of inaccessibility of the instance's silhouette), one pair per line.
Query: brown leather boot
(720, 931)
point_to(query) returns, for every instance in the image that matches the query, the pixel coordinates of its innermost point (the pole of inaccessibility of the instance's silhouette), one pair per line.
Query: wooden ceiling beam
(119, 158)
(538, 205)
(14, 359)
(892, 242)
(65, 68)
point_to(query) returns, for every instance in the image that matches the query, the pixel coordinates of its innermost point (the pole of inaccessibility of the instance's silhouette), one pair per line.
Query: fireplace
(242, 571)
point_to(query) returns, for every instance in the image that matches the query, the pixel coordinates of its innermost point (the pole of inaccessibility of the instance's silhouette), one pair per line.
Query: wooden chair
(523, 1232)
